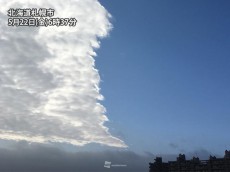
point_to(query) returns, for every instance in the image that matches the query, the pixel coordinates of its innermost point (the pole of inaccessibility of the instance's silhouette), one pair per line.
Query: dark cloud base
(25, 157)
(39, 158)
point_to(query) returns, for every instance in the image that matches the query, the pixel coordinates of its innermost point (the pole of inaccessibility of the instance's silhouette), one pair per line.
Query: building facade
(194, 165)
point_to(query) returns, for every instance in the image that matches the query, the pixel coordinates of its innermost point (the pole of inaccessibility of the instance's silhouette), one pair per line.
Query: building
(194, 165)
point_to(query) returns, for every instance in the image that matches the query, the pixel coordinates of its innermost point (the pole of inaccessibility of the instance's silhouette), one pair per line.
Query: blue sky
(165, 74)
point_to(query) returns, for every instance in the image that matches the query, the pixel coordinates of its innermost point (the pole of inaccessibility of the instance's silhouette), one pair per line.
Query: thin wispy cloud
(49, 85)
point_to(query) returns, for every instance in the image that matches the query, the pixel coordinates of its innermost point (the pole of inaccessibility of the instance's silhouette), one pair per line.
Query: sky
(165, 74)
(132, 80)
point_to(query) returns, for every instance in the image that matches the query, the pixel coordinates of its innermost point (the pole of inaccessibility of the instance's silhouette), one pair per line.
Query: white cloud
(49, 87)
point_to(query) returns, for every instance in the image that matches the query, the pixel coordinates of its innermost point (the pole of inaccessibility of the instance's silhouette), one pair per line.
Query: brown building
(194, 165)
